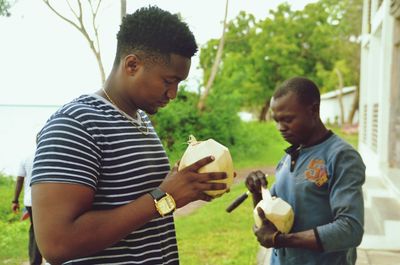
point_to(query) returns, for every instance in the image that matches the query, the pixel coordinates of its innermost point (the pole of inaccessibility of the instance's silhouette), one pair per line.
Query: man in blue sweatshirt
(320, 176)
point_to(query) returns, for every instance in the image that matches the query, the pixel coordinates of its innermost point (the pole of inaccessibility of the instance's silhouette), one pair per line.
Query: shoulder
(82, 112)
(342, 154)
(83, 106)
(335, 146)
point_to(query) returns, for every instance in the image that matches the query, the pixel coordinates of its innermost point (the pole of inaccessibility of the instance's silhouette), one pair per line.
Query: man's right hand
(254, 181)
(188, 185)
(15, 207)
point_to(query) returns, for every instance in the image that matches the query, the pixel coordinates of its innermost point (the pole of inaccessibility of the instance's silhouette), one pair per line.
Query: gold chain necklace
(129, 117)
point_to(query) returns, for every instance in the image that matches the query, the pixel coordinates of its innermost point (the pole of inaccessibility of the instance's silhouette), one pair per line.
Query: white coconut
(276, 210)
(197, 150)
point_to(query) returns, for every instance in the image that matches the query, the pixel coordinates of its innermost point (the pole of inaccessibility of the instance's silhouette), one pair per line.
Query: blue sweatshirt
(323, 185)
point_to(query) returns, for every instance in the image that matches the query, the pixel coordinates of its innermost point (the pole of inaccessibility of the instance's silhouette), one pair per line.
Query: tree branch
(82, 29)
(214, 69)
(47, 2)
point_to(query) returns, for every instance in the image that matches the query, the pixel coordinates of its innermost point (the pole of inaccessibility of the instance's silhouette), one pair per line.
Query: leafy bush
(181, 118)
(258, 144)
(14, 233)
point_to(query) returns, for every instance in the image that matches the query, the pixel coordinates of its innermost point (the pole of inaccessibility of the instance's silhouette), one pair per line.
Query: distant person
(103, 191)
(320, 176)
(23, 180)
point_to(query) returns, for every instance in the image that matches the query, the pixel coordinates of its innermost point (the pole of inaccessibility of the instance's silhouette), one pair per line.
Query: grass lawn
(350, 138)
(13, 233)
(212, 236)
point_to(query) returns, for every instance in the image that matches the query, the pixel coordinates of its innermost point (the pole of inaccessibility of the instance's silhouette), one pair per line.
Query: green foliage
(259, 55)
(258, 144)
(181, 118)
(251, 144)
(4, 7)
(330, 77)
(14, 233)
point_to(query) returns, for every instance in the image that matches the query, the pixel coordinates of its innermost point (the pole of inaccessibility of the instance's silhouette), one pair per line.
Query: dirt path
(241, 175)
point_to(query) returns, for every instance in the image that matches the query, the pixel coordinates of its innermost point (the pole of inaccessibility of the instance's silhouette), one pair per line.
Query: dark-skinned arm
(268, 236)
(18, 188)
(67, 228)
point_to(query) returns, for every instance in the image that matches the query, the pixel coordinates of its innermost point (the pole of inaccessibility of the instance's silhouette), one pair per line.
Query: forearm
(306, 239)
(92, 231)
(18, 188)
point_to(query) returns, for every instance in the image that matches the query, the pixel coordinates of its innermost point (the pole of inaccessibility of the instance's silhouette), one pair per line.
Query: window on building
(374, 127)
(364, 121)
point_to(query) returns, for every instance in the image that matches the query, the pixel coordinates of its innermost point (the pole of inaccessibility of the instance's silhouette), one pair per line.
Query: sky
(45, 61)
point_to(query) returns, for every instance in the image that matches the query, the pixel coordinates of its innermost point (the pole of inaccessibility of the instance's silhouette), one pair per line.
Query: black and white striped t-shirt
(89, 142)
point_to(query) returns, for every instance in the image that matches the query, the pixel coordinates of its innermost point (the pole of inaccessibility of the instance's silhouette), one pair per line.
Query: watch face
(166, 205)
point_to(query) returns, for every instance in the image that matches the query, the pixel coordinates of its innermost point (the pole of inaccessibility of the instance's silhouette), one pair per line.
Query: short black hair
(151, 31)
(307, 91)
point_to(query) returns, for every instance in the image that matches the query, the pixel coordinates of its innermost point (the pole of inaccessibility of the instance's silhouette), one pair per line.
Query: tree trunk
(123, 9)
(340, 98)
(214, 69)
(354, 106)
(264, 111)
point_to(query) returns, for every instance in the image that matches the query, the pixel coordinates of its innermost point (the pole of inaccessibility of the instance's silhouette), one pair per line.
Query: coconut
(276, 210)
(197, 150)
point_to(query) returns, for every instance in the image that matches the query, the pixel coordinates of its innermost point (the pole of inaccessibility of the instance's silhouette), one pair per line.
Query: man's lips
(163, 103)
(286, 135)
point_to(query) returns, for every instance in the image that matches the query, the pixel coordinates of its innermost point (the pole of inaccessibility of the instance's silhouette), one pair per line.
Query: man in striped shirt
(102, 188)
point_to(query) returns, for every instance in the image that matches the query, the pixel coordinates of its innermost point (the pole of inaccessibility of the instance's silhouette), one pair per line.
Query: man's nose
(281, 127)
(171, 93)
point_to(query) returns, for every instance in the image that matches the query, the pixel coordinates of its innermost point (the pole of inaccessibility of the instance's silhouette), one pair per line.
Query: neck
(113, 91)
(319, 132)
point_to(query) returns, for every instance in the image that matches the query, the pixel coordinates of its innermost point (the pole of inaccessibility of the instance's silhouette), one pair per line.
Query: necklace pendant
(141, 122)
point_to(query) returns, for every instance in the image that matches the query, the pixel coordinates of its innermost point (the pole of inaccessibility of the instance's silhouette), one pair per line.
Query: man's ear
(315, 109)
(132, 63)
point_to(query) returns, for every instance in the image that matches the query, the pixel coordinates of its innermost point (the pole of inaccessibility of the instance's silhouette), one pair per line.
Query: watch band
(157, 194)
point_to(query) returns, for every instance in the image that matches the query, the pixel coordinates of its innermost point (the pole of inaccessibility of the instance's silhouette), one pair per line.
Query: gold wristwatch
(164, 202)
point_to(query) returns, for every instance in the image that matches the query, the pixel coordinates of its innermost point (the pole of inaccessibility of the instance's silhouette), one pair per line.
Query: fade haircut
(305, 90)
(152, 33)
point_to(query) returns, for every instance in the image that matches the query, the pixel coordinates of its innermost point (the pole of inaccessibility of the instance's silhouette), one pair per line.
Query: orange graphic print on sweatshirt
(316, 172)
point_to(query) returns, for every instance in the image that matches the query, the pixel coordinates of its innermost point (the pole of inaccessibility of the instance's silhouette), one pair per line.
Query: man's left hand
(266, 234)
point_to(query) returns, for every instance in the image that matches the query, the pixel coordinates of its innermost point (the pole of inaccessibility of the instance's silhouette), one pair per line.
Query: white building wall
(330, 109)
(387, 60)
(376, 69)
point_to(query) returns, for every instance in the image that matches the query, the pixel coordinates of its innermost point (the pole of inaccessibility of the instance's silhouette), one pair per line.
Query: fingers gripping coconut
(204, 172)
(267, 232)
(276, 210)
(189, 185)
(222, 163)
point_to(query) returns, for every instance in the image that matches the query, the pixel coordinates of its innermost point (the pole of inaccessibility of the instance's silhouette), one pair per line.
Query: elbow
(357, 233)
(54, 253)
(357, 237)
